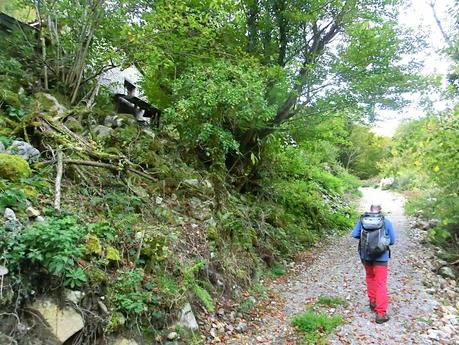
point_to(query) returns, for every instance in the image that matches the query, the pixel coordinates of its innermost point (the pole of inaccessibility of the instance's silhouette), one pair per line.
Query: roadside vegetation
(425, 160)
(256, 160)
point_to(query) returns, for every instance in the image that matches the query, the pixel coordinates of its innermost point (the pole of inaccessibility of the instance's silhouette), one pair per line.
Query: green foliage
(215, 103)
(12, 70)
(278, 270)
(13, 198)
(75, 278)
(245, 96)
(13, 167)
(426, 159)
(103, 230)
(54, 245)
(168, 285)
(204, 297)
(131, 293)
(314, 327)
(364, 152)
(9, 98)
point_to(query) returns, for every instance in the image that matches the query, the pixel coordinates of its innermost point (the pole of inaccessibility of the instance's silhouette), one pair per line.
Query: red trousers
(376, 276)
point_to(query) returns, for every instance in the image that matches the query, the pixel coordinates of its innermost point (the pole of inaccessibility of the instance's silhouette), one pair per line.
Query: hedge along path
(336, 271)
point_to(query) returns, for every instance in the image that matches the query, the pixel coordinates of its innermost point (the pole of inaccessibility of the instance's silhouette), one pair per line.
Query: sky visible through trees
(418, 16)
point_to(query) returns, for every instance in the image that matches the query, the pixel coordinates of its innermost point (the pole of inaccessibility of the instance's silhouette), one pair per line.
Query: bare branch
(57, 186)
(437, 20)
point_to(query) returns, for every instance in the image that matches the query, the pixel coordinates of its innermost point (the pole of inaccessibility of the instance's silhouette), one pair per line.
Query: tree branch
(437, 20)
(57, 185)
(110, 167)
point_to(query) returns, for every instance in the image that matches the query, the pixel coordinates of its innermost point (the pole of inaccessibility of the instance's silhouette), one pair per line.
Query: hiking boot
(372, 306)
(382, 318)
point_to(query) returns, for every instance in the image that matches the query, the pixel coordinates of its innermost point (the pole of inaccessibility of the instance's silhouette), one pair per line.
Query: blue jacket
(389, 231)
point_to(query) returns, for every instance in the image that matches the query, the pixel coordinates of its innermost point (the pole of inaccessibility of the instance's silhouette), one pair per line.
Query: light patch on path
(337, 271)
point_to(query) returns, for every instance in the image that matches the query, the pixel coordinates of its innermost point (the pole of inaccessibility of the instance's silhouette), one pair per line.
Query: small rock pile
(440, 280)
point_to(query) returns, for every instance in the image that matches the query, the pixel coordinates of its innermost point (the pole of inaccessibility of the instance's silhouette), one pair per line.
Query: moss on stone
(93, 245)
(10, 98)
(13, 167)
(30, 192)
(74, 125)
(5, 132)
(113, 254)
(49, 103)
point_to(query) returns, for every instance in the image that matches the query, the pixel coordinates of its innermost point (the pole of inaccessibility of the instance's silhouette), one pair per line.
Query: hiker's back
(374, 240)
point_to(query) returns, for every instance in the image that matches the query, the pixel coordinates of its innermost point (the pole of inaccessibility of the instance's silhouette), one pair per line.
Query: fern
(204, 297)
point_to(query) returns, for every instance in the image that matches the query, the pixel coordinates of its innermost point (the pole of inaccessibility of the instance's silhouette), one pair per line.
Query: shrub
(130, 294)
(13, 198)
(54, 245)
(278, 270)
(217, 101)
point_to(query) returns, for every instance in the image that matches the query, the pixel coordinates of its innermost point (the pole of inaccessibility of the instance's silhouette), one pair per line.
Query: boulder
(187, 318)
(124, 341)
(172, 336)
(102, 307)
(40, 219)
(101, 132)
(49, 103)
(192, 182)
(11, 223)
(73, 124)
(9, 214)
(74, 296)
(200, 209)
(111, 121)
(62, 323)
(24, 150)
(386, 183)
(13, 168)
(32, 212)
(447, 272)
(9, 97)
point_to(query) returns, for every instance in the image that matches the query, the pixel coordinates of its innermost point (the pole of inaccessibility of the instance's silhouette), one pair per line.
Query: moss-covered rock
(13, 167)
(93, 245)
(5, 132)
(30, 192)
(9, 97)
(113, 254)
(6, 123)
(49, 103)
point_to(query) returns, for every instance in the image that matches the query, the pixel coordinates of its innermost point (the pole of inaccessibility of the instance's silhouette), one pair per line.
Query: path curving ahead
(336, 271)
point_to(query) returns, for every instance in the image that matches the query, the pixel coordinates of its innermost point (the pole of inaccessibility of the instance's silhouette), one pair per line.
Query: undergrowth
(176, 231)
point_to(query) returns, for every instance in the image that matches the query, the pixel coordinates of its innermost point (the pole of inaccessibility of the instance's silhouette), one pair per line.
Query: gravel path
(336, 271)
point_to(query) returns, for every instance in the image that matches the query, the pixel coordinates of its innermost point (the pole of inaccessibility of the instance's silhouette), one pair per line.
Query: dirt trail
(337, 271)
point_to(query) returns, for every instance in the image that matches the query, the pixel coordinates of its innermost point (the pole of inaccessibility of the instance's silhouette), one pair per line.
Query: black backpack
(373, 238)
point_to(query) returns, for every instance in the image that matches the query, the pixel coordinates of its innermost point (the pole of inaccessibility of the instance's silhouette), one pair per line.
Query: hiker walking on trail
(376, 234)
